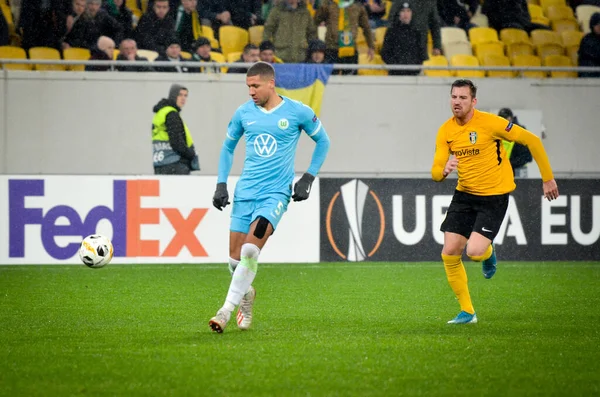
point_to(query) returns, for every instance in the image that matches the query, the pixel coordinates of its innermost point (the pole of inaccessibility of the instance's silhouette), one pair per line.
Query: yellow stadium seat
(116, 53)
(46, 53)
(530, 61)
(144, 5)
(482, 35)
(379, 36)
(550, 49)
(361, 42)
(149, 54)
(574, 56)
(438, 60)
(548, 3)
(541, 37)
(537, 15)
(466, 60)
(559, 61)
(15, 39)
(563, 25)
(515, 49)
(256, 34)
(497, 60)
(453, 35)
(556, 12)
(76, 54)
(362, 60)
(511, 36)
(218, 57)
(186, 55)
(388, 7)
(452, 49)
(131, 4)
(233, 56)
(484, 49)
(571, 39)
(232, 39)
(536, 2)
(311, 9)
(480, 20)
(584, 12)
(10, 52)
(209, 33)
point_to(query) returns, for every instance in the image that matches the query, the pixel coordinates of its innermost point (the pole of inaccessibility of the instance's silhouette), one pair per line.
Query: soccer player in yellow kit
(485, 180)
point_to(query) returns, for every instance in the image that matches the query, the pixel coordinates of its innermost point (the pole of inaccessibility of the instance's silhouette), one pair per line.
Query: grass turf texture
(329, 329)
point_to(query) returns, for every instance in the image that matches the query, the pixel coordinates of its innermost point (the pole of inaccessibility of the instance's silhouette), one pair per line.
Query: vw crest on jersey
(283, 124)
(265, 145)
(473, 137)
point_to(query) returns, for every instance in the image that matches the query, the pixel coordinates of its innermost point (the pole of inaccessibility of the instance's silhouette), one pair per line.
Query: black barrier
(399, 220)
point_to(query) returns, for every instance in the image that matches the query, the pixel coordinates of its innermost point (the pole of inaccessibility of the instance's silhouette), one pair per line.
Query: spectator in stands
(455, 13)
(155, 28)
(290, 27)
(214, 14)
(245, 13)
(375, 11)
(172, 144)
(128, 52)
(76, 13)
(93, 23)
(43, 23)
(123, 15)
(518, 154)
(172, 54)
(250, 55)
(425, 18)
(315, 52)
(402, 44)
(266, 52)
(104, 50)
(4, 35)
(504, 14)
(187, 24)
(342, 19)
(589, 48)
(173, 4)
(201, 53)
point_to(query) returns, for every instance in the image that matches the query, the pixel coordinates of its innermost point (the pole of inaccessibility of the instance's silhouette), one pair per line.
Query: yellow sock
(485, 255)
(457, 278)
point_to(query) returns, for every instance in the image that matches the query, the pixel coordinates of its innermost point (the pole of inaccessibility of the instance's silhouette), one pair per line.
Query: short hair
(465, 83)
(266, 46)
(94, 1)
(249, 47)
(262, 69)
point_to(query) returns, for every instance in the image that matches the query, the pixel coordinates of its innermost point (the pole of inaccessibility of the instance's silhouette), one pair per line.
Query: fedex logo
(126, 217)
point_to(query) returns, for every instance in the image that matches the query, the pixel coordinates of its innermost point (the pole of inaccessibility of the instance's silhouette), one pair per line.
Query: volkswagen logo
(265, 145)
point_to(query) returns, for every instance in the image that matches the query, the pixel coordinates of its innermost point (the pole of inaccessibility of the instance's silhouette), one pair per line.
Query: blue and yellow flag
(303, 82)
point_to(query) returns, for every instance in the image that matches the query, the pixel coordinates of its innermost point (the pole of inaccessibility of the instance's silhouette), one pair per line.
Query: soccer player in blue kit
(272, 125)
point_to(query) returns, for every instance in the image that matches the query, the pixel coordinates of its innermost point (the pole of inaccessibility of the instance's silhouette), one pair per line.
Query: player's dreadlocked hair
(262, 69)
(465, 83)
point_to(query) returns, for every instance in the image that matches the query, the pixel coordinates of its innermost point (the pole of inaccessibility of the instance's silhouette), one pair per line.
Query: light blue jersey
(271, 141)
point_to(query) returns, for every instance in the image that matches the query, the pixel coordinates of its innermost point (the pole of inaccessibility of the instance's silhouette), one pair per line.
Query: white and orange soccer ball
(96, 251)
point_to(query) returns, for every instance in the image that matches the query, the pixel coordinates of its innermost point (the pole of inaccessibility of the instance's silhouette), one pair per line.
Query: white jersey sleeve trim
(316, 131)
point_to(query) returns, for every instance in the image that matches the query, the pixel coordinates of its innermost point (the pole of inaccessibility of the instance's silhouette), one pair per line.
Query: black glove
(302, 187)
(221, 197)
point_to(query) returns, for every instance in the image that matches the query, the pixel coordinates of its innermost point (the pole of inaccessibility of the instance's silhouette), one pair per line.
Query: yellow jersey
(483, 167)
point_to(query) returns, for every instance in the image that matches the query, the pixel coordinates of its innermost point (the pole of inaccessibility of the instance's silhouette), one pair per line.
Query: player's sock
(232, 265)
(486, 255)
(457, 278)
(243, 276)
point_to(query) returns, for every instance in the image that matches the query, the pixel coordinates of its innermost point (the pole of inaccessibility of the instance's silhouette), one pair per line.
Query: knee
(250, 251)
(476, 254)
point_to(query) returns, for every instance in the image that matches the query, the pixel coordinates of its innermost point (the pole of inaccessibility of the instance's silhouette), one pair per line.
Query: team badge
(283, 124)
(473, 137)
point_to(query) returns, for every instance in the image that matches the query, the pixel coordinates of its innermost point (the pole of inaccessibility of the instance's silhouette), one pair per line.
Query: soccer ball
(96, 251)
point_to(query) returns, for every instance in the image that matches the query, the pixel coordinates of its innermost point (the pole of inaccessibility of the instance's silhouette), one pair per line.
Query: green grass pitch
(367, 329)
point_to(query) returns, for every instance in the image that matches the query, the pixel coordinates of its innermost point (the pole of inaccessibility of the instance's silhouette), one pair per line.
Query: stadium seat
(131, 4)
(537, 15)
(321, 32)
(438, 60)
(480, 20)
(531, 61)
(571, 42)
(484, 49)
(15, 39)
(46, 53)
(556, 12)
(550, 49)
(536, 2)
(548, 3)
(311, 9)
(218, 57)
(361, 42)
(563, 25)
(559, 61)
(232, 39)
(116, 53)
(186, 55)
(497, 60)
(388, 7)
(452, 49)
(11, 52)
(453, 35)
(149, 54)
(256, 34)
(379, 36)
(362, 60)
(233, 56)
(482, 35)
(76, 54)
(541, 37)
(466, 60)
(515, 49)
(510, 36)
(584, 12)
(209, 33)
